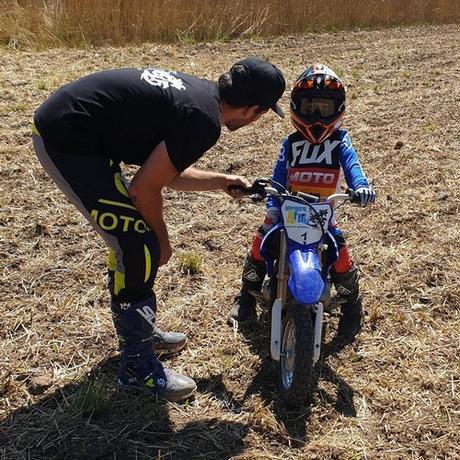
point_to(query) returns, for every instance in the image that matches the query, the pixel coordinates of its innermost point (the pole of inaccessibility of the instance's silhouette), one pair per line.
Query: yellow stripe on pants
(148, 263)
(35, 130)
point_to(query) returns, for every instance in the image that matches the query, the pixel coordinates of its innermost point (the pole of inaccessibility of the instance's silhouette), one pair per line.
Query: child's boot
(244, 307)
(347, 286)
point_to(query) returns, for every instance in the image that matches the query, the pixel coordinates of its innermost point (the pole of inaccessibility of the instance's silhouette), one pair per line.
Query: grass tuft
(93, 398)
(191, 263)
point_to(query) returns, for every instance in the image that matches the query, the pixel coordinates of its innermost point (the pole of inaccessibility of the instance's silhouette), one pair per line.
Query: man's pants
(96, 187)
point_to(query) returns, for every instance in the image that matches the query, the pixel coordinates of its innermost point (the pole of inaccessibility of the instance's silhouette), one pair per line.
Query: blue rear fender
(305, 281)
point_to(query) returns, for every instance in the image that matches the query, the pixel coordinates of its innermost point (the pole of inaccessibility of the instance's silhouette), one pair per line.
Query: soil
(394, 393)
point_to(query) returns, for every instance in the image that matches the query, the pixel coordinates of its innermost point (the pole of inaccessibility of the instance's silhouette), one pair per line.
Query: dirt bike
(299, 252)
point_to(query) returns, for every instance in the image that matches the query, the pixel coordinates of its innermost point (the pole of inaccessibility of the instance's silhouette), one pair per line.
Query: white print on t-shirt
(163, 78)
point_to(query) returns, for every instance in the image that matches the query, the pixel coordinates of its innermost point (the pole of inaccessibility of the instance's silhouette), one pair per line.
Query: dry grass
(87, 22)
(393, 395)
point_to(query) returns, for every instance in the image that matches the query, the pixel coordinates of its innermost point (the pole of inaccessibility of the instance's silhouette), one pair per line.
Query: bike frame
(301, 267)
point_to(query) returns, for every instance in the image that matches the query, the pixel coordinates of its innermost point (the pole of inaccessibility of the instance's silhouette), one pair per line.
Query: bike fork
(318, 310)
(280, 302)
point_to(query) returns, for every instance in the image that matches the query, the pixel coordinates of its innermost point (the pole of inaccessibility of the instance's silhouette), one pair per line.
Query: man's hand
(145, 192)
(165, 253)
(235, 181)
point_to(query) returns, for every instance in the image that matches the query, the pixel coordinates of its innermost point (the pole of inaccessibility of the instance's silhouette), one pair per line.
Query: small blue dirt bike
(299, 252)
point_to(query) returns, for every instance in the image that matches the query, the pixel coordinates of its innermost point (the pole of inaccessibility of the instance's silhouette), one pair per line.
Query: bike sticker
(303, 223)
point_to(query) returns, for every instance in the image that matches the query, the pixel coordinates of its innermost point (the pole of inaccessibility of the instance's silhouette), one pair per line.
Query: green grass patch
(191, 263)
(93, 398)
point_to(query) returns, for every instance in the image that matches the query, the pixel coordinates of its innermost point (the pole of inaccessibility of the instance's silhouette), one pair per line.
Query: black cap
(264, 82)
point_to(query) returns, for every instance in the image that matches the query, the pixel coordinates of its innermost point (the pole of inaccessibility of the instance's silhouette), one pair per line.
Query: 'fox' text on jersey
(316, 169)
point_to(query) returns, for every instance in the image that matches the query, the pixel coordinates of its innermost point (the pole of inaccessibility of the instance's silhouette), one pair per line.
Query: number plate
(303, 224)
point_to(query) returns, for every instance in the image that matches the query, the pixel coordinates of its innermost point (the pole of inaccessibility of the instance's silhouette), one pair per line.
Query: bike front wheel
(296, 355)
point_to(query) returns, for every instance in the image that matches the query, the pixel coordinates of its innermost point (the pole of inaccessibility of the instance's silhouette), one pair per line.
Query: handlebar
(263, 187)
(257, 191)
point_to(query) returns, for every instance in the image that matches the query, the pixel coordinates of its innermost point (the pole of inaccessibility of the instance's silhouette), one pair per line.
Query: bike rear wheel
(296, 357)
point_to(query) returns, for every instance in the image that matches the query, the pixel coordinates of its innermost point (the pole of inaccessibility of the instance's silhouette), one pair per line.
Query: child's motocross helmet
(317, 103)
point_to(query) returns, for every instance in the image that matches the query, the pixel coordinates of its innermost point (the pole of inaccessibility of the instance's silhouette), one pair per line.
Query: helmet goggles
(318, 107)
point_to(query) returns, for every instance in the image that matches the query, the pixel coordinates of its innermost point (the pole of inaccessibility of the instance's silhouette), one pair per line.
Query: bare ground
(393, 394)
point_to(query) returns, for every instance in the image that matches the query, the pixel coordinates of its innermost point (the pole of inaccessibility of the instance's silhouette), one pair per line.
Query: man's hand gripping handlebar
(262, 187)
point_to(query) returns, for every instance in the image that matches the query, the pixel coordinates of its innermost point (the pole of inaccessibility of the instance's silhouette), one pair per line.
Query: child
(310, 161)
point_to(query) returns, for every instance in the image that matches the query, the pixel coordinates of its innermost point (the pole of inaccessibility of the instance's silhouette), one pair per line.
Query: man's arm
(197, 180)
(145, 191)
(157, 172)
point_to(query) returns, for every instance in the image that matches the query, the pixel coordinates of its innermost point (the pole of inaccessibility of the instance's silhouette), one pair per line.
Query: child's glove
(272, 217)
(364, 195)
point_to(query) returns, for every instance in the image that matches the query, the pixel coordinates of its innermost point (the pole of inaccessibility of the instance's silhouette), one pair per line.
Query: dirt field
(394, 394)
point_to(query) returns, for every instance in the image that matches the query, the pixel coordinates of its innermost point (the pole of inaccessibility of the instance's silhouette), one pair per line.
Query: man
(164, 122)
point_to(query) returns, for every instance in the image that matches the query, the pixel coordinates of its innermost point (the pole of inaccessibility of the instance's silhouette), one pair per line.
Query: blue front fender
(305, 281)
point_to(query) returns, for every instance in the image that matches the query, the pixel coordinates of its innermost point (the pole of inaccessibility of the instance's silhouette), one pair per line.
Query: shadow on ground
(265, 383)
(95, 420)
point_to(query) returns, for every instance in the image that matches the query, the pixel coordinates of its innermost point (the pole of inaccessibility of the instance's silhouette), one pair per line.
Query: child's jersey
(316, 169)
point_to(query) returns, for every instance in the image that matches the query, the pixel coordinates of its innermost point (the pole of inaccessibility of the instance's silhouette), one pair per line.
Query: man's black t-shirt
(123, 114)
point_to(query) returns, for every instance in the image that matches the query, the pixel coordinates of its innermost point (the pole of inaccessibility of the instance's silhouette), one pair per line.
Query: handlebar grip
(256, 192)
(353, 197)
(243, 190)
